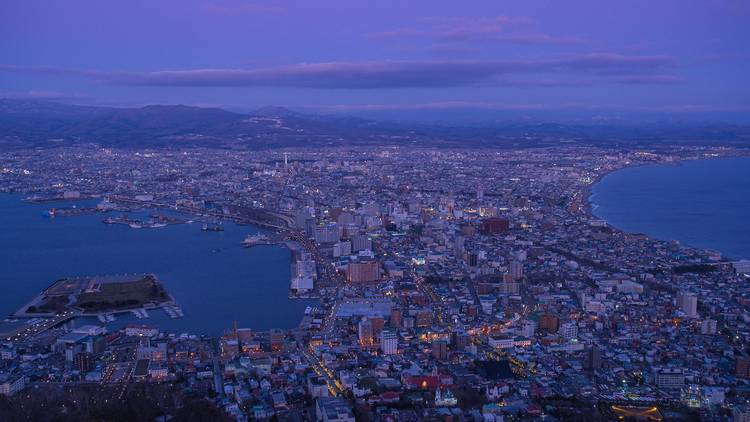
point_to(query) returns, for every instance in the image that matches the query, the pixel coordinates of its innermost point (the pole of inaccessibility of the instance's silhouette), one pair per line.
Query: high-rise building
(549, 323)
(84, 362)
(508, 287)
(361, 242)
(569, 330)
(364, 330)
(471, 259)
(12, 384)
(742, 367)
(342, 249)
(458, 246)
(301, 217)
(670, 378)
(345, 218)
(467, 230)
(277, 339)
(515, 269)
(593, 358)
(688, 304)
(378, 323)
(708, 326)
(333, 409)
(528, 329)
(363, 271)
(495, 225)
(395, 319)
(741, 413)
(423, 318)
(440, 349)
(460, 339)
(388, 342)
(330, 233)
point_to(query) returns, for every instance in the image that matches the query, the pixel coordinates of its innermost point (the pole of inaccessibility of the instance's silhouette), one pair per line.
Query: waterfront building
(139, 330)
(276, 337)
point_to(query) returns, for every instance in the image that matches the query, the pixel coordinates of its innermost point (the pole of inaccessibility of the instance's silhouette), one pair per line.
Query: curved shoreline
(591, 205)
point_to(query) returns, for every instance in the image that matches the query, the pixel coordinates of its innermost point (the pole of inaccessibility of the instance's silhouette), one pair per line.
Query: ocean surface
(213, 278)
(702, 203)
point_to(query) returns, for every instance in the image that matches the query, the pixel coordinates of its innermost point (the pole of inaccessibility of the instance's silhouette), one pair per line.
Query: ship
(207, 228)
(255, 239)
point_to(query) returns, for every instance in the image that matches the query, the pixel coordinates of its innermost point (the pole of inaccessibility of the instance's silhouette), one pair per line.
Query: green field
(125, 295)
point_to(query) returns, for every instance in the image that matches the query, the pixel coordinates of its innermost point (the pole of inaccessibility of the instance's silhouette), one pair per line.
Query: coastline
(590, 205)
(184, 285)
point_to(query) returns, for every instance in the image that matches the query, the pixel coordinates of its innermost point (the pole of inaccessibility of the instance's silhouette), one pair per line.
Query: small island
(98, 295)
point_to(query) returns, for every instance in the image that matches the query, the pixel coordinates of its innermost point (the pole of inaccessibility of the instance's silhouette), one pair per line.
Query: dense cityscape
(374, 211)
(452, 285)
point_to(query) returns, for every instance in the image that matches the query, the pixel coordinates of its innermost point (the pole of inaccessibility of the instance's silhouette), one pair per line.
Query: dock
(173, 311)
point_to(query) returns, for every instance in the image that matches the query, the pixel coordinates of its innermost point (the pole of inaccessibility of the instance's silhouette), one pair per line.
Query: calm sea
(703, 203)
(212, 277)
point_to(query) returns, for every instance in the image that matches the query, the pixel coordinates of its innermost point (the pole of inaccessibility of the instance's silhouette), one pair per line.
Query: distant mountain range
(25, 123)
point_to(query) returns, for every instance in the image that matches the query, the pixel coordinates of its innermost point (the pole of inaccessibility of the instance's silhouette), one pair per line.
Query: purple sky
(683, 57)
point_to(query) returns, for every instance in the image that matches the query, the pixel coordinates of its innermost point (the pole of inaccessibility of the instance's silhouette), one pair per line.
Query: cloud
(477, 34)
(480, 105)
(492, 29)
(393, 74)
(452, 49)
(43, 95)
(242, 7)
(48, 70)
(650, 79)
(698, 108)
(438, 105)
(504, 20)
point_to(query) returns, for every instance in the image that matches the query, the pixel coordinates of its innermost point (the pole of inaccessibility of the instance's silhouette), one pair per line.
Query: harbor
(211, 276)
(155, 221)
